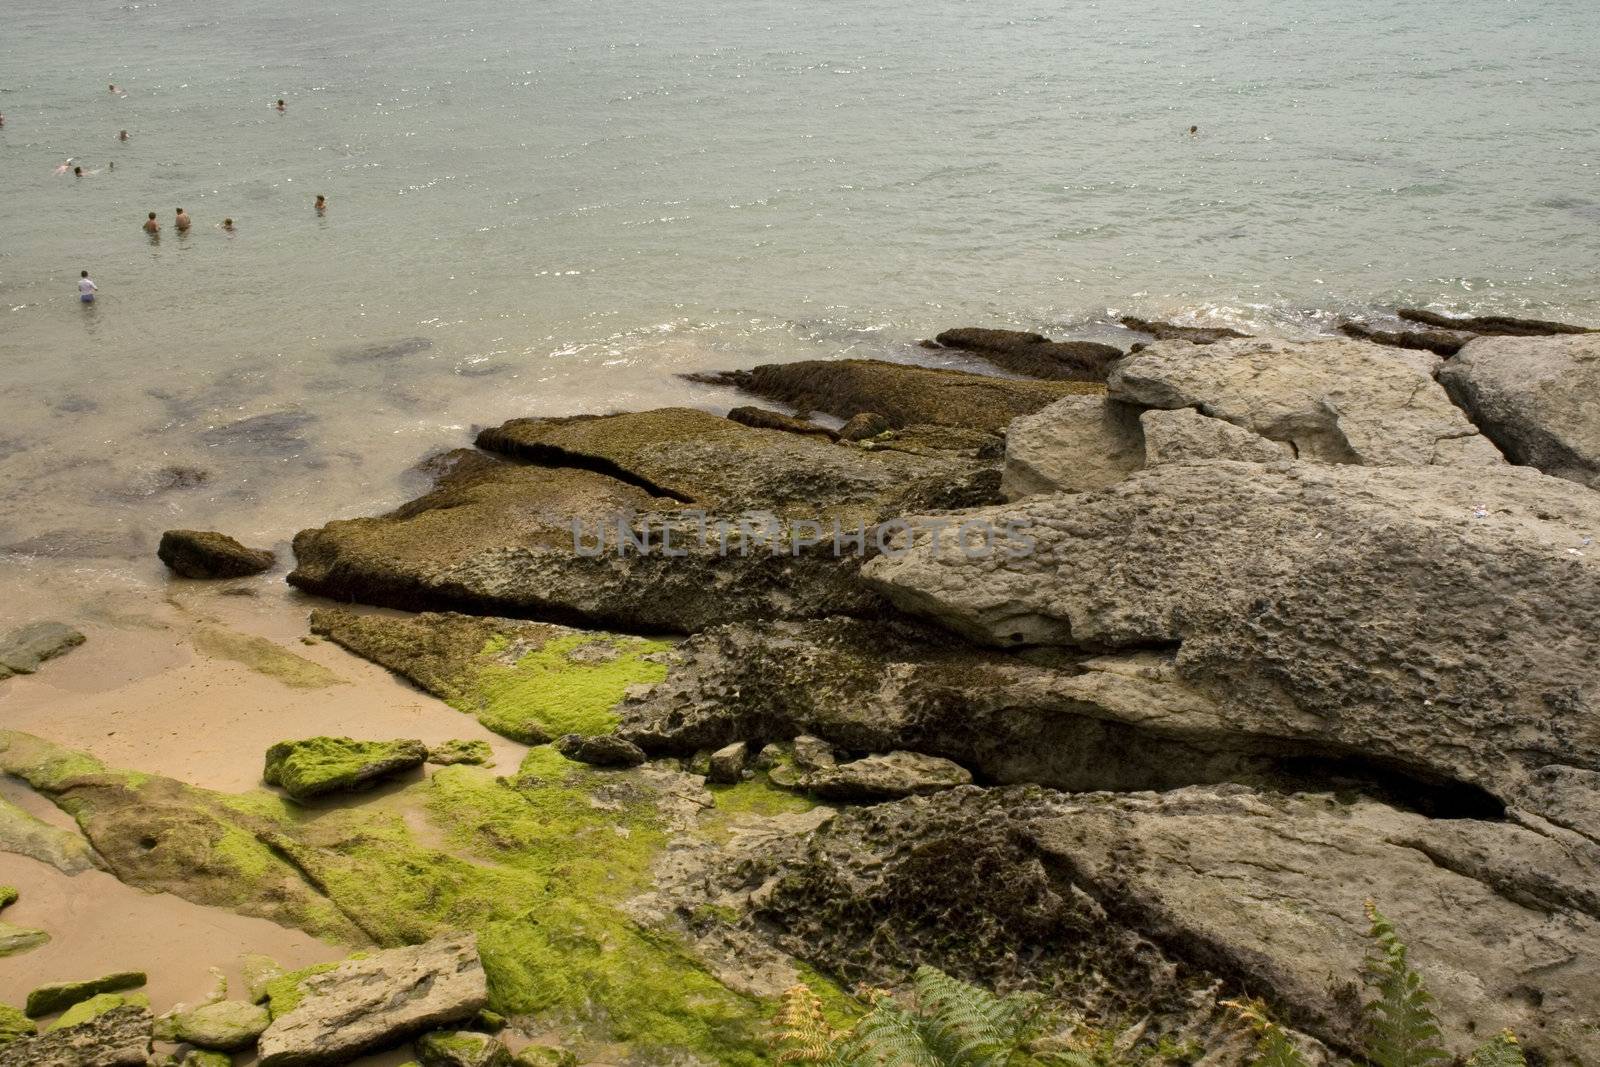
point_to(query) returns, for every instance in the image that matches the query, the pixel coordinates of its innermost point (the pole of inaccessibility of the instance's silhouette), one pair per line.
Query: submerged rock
(15, 940)
(1035, 355)
(58, 996)
(117, 1038)
(1535, 398)
(885, 777)
(1504, 325)
(1167, 331)
(319, 765)
(906, 395)
(1331, 401)
(1420, 617)
(208, 554)
(1439, 342)
(363, 1005)
(24, 649)
(461, 1048)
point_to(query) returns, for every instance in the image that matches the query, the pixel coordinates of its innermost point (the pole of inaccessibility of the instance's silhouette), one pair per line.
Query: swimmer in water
(281, 106)
(64, 167)
(77, 172)
(151, 226)
(321, 205)
(227, 226)
(182, 222)
(1193, 130)
(114, 90)
(123, 136)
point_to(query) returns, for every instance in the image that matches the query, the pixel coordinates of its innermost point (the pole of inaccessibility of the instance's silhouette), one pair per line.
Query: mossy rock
(86, 1010)
(544, 1056)
(319, 765)
(205, 1058)
(461, 1048)
(14, 1024)
(15, 940)
(223, 1026)
(449, 753)
(8, 896)
(58, 996)
(284, 993)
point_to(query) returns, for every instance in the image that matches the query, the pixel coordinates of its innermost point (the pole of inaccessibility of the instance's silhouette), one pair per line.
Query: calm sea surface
(543, 206)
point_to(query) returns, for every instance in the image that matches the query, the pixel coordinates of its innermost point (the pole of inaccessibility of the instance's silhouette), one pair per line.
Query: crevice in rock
(540, 455)
(1398, 785)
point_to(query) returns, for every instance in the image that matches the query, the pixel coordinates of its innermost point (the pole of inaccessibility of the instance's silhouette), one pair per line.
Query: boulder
(1439, 342)
(1077, 443)
(318, 765)
(899, 392)
(1503, 325)
(885, 777)
(863, 425)
(604, 750)
(569, 545)
(378, 1001)
(1429, 623)
(1331, 401)
(1184, 435)
(1033, 355)
(23, 649)
(461, 1048)
(224, 1025)
(1142, 900)
(1168, 331)
(1534, 397)
(726, 765)
(8, 896)
(208, 554)
(448, 753)
(59, 996)
(767, 419)
(813, 753)
(117, 1038)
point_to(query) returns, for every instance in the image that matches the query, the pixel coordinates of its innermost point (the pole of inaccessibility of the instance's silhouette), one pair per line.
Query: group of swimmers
(181, 220)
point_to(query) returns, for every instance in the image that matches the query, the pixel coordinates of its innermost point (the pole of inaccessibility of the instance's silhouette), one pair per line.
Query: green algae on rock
(14, 1024)
(203, 1058)
(8, 896)
(265, 657)
(449, 753)
(96, 1006)
(57, 996)
(225, 1025)
(318, 765)
(23, 650)
(461, 1048)
(527, 681)
(15, 940)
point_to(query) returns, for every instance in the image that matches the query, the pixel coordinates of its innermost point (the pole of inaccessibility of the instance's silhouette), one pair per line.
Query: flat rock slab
(901, 393)
(208, 554)
(1340, 401)
(1439, 619)
(24, 649)
(367, 1004)
(885, 777)
(1538, 398)
(117, 1038)
(319, 765)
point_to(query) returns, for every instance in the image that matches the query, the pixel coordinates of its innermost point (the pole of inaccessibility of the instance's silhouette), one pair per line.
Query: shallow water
(555, 206)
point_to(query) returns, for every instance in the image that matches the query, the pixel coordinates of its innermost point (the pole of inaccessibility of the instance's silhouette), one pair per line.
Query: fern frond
(1502, 1050)
(965, 1026)
(1401, 1028)
(801, 1033)
(1273, 1046)
(887, 1036)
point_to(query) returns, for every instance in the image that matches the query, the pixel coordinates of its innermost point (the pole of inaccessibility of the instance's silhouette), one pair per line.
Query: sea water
(549, 206)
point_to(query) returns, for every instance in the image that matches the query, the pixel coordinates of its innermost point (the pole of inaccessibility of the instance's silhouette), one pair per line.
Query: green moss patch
(96, 1006)
(570, 684)
(14, 1025)
(318, 765)
(264, 657)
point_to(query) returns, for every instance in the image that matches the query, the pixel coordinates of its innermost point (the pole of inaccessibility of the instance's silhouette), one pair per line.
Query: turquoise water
(569, 201)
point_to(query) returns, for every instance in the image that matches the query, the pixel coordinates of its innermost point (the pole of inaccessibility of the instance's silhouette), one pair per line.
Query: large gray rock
(1125, 901)
(1336, 401)
(1183, 435)
(117, 1038)
(1433, 622)
(381, 1000)
(22, 650)
(1079, 442)
(1538, 398)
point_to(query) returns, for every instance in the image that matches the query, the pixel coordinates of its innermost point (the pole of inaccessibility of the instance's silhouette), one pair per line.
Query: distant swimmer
(182, 221)
(64, 167)
(281, 106)
(151, 226)
(86, 288)
(77, 172)
(321, 204)
(115, 91)
(227, 226)
(2, 119)
(1193, 130)
(123, 136)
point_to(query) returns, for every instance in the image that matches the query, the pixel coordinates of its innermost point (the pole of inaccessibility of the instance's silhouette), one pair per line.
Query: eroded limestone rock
(1077, 443)
(117, 1038)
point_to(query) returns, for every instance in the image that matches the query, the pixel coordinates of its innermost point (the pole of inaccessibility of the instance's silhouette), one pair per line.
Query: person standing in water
(1193, 130)
(321, 205)
(123, 136)
(227, 226)
(86, 288)
(182, 221)
(151, 226)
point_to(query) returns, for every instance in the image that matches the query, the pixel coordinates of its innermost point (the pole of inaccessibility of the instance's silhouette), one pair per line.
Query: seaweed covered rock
(461, 1048)
(224, 1025)
(117, 1038)
(1535, 398)
(1439, 342)
(14, 1024)
(767, 419)
(450, 753)
(1035, 355)
(527, 681)
(23, 649)
(318, 765)
(903, 394)
(568, 545)
(99, 1004)
(1412, 618)
(1338, 401)
(1169, 331)
(1502, 325)
(15, 940)
(208, 554)
(26, 835)
(58, 996)
(378, 1001)
(864, 424)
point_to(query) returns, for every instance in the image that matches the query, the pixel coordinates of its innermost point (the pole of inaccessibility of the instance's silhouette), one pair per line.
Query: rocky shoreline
(1125, 679)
